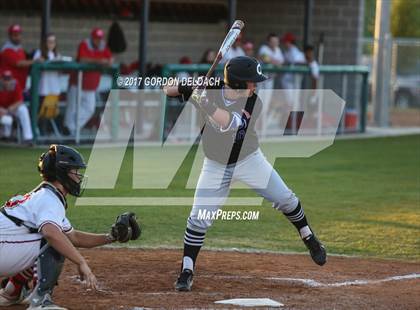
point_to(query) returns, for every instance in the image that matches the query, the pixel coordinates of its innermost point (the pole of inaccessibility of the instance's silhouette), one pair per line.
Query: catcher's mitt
(126, 228)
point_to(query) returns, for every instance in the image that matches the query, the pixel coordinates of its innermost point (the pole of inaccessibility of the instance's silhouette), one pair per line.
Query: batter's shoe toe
(316, 249)
(184, 281)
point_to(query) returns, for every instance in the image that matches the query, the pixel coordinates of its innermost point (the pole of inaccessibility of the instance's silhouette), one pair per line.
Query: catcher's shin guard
(49, 266)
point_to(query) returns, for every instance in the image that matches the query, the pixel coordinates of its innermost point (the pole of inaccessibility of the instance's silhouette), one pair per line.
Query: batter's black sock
(193, 241)
(298, 219)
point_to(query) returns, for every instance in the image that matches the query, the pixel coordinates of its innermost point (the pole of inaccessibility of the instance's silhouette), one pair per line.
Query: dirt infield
(133, 278)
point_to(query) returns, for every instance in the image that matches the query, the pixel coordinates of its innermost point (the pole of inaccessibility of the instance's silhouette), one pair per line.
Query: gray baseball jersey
(233, 154)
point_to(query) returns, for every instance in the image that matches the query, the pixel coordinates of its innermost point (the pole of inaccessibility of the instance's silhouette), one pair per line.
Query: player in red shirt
(91, 50)
(11, 103)
(13, 57)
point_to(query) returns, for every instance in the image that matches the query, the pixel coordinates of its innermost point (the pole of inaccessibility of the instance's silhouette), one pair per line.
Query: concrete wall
(167, 41)
(340, 20)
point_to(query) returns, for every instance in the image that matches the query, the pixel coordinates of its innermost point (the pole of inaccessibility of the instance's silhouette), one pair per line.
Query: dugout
(337, 25)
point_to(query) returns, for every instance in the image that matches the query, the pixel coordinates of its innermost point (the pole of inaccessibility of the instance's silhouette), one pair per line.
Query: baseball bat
(230, 38)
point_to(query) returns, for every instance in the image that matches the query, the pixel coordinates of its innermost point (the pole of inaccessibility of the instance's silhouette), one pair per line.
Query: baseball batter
(36, 236)
(232, 153)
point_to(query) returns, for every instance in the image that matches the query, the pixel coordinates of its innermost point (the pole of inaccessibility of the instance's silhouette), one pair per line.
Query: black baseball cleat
(184, 281)
(316, 249)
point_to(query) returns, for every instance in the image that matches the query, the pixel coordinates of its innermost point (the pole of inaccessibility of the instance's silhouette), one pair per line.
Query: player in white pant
(215, 180)
(86, 108)
(36, 236)
(11, 104)
(22, 115)
(232, 153)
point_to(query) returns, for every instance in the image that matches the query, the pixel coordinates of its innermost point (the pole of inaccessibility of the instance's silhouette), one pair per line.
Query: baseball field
(361, 196)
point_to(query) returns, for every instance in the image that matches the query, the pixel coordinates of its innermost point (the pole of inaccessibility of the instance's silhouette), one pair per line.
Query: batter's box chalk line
(314, 283)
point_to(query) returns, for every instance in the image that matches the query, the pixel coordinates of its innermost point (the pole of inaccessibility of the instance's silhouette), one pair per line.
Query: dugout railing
(66, 68)
(347, 81)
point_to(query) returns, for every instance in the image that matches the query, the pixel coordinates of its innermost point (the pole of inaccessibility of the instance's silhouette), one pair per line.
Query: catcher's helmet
(55, 165)
(242, 69)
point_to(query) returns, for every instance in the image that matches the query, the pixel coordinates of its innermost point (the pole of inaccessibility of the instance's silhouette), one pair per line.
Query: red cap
(185, 60)
(248, 45)
(15, 28)
(288, 38)
(6, 74)
(97, 33)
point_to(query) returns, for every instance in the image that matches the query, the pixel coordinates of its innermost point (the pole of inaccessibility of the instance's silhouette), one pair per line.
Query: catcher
(35, 233)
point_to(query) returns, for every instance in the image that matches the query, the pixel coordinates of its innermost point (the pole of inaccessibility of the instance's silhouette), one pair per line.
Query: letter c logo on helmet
(242, 69)
(259, 70)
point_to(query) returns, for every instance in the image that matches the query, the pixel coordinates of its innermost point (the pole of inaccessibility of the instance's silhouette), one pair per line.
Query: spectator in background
(269, 53)
(13, 57)
(310, 99)
(208, 56)
(130, 68)
(234, 51)
(185, 60)
(248, 48)
(11, 103)
(292, 56)
(49, 85)
(311, 81)
(92, 50)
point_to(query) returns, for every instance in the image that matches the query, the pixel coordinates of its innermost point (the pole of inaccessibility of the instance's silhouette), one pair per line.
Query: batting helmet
(55, 165)
(242, 69)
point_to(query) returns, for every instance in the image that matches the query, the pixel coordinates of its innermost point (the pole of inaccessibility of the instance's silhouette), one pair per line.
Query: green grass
(362, 197)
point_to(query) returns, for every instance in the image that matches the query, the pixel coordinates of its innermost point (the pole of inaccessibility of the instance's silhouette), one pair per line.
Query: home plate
(251, 302)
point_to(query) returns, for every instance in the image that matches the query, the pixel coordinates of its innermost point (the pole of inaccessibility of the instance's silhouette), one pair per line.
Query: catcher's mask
(63, 164)
(242, 69)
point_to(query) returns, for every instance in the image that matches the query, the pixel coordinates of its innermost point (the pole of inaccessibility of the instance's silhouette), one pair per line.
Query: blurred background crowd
(341, 34)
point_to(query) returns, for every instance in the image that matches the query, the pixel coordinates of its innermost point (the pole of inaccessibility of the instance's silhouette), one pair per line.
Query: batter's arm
(220, 116)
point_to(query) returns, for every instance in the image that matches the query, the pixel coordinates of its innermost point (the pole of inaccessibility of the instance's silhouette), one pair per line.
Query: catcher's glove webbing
(125, 228)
